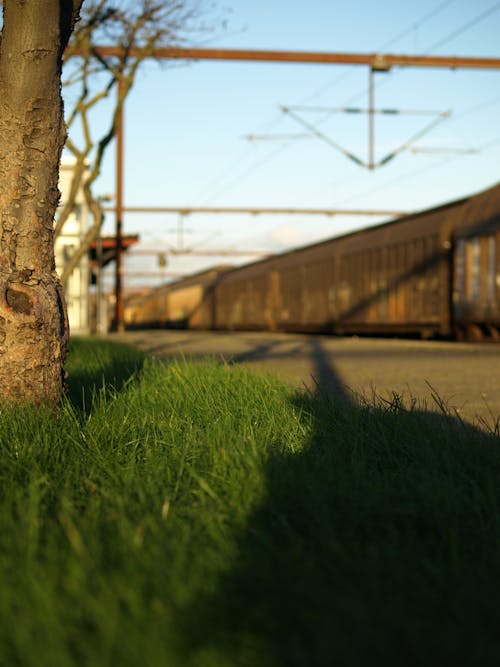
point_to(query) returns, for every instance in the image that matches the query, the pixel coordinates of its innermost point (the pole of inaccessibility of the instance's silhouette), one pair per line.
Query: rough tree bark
(33, 322)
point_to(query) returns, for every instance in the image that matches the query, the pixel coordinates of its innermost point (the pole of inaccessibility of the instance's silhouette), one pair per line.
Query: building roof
(108, 248)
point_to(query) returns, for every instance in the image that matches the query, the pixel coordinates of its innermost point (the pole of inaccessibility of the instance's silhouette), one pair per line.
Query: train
(432, 274)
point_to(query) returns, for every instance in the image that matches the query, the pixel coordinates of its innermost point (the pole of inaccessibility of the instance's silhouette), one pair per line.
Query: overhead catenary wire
(324, 137)
(403, 177)
(418, 24)
(252, 168)
(237, 179)
(448, 38)
(469, 24)
(389, 156)
(480, 149)
(442, 150)
(414, 138)
(452, 35)
(413, 26)
(229, 171)
(457, 154)
(398, 179)
(360, 110)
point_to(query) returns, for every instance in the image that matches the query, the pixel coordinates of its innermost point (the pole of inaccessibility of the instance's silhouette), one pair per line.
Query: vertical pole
(118, 319)
(371, 122)
(98, 310)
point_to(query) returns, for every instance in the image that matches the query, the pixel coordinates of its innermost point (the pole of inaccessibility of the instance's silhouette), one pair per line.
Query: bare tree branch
(138, 26)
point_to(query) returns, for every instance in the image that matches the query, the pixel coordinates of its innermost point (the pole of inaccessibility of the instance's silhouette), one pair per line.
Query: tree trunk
(33, 320)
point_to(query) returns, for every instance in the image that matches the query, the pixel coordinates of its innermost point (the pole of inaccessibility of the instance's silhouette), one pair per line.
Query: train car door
(474, 285)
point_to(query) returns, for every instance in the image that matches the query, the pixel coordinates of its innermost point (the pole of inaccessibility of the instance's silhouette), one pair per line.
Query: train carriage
(476, 268)
(391, 278)
(432, 273)
(185, 304)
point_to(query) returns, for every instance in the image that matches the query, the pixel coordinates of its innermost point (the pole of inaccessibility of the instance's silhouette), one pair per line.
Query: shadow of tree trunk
(378, 543)
(95, 365)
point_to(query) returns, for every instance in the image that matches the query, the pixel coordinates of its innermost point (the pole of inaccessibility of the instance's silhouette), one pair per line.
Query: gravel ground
(466, 376)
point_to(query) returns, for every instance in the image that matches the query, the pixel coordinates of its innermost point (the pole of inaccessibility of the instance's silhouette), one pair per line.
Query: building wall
(77, 290)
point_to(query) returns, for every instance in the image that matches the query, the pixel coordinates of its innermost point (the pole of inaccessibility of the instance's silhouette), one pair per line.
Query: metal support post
(371, 122)
(118, 319)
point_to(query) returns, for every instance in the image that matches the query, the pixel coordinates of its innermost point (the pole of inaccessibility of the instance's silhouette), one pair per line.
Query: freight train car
(185, 304)
(386, 279)
(432, 273)
(476, 268)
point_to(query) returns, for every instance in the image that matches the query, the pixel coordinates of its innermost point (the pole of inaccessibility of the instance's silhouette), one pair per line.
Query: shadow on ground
(376, 544)
(105, 367)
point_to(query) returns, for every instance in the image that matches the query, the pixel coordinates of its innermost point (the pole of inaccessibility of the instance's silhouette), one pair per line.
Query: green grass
(196, 514)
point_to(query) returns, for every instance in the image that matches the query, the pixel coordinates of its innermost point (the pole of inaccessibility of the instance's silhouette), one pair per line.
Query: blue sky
(186, 123)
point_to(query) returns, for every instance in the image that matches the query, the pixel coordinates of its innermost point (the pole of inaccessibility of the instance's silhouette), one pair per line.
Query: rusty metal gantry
(377, 62)
(255, 210)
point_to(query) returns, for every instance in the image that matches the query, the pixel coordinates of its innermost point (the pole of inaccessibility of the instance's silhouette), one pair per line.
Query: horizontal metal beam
(154, 274)
(208, 252)
(190, 210)
(377, 61)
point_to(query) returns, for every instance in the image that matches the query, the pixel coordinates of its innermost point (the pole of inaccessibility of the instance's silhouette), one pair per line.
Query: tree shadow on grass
(98, 365)
(378, 543)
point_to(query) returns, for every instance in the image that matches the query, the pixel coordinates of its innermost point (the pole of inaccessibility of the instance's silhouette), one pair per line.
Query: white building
(77, 291)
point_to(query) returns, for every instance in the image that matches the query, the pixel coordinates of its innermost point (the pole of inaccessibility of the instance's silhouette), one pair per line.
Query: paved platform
(465, 375)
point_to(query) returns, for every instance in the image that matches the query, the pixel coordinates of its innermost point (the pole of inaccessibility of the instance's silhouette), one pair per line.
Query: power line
(250, 170)
(401, 177)
(472, 22)
(484, 147)
(477, 107)
(229, 171)
(427, 17)
(418, 24)
(458, 31)
(427, 168)
(444, 40)
(413, 26)
(392, 40)
(491, 143)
